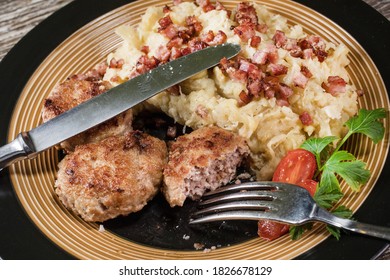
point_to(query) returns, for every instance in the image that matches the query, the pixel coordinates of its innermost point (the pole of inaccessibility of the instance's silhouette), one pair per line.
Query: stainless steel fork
(281, 202)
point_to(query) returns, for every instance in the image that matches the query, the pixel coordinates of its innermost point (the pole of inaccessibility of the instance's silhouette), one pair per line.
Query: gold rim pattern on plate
(33, 180)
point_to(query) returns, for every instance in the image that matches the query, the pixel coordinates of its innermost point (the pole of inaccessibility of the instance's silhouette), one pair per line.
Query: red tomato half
(297, 167)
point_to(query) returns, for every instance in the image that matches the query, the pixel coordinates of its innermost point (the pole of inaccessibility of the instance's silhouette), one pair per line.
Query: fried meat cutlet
(76, 90)
(117, 176)
(203, 160)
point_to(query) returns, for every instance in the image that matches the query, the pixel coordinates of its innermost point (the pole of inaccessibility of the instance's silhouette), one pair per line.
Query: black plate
(20, 239)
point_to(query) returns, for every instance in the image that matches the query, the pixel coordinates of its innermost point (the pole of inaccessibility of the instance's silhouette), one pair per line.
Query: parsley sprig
(334, 163)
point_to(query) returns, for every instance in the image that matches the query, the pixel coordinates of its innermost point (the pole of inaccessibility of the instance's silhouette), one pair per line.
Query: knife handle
(18, 149)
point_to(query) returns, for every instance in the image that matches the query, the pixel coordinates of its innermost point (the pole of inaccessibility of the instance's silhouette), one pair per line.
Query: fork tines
(249, 201)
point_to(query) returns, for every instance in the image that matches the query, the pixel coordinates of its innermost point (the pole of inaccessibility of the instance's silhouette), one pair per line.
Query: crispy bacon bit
(313, 45)
(196, 44)
(270, 84)
(175, 43)
(145, 49)
(282, 102)
(171, 31)
(279, 39)
(220, 38)
(163, 54)
(260, 57)
(262, 28)
(274, 88)
(165, 22)
(284, 91)
(193, 25)
(307, 53)
(255, 41)
(185, 51)
(212, 40)
(245, 98)
(249, 67)
(237, 74)
(231, 68)
(167, 27)
(146, 63)
(300, 80)
(306, 72)
(247, 20)
(335, 85)
(277, 69)
(254, 86)
(268, 54)
(174, 90)
(175, 53)
(208, 37)
(321, 55)
(306, 118)
(246, 14)
(245, 31)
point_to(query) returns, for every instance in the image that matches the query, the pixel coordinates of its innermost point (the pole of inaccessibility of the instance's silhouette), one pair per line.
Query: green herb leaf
(296, 232)
(317, 145)
(342, 212)
(329, 181)
(366, 122)
(334, 231)
(351, 170)
(333, 164)
(327, 199)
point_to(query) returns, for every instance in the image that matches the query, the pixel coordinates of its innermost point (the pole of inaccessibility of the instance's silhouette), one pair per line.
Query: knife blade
(111, 103)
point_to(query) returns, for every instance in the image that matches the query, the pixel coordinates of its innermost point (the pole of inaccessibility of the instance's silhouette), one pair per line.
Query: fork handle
(323, 215)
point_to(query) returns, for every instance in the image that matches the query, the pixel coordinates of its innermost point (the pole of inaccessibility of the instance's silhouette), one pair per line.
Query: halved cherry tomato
(297, 167)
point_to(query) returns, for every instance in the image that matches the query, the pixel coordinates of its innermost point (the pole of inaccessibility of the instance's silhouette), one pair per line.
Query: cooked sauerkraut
(284, 87)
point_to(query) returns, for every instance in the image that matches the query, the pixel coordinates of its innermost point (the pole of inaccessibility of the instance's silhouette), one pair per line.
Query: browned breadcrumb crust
(117, 176)
(204, 159)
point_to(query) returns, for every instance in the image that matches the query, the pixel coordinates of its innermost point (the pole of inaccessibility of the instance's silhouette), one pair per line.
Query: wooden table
(17, 17)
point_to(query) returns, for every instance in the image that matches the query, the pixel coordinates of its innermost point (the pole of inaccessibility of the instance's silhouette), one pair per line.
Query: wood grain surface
(17, 17)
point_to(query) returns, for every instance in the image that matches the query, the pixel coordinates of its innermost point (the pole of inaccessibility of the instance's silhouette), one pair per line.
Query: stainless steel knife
(111, 103)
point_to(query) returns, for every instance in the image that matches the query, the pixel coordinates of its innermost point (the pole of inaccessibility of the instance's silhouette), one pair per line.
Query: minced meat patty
(76, 90)
(202, 160)
(116, 176)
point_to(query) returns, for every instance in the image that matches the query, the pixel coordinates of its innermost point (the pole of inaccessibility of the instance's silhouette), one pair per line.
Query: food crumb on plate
(186, 237)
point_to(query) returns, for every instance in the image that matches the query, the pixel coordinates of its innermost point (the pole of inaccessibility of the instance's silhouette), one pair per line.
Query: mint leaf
(366, 122)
